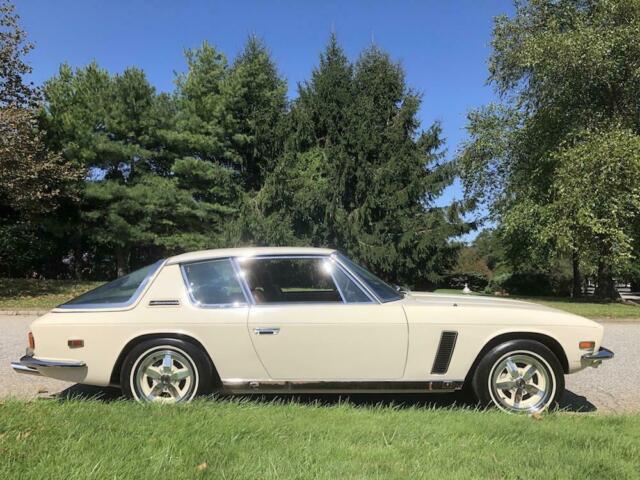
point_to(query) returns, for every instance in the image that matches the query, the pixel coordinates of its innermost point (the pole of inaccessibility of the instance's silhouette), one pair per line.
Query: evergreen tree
(200, 122)
(305, 190)
(99, 123)
(223, 160)
(399, 172)
(255, 105)
(359, 175)
(207, 165)
(140, 196)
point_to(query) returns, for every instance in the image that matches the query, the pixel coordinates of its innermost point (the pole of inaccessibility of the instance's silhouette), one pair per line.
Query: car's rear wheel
(519, 376)
(165, 371)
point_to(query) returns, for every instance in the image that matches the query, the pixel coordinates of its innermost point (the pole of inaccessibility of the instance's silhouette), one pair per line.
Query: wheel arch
(546, 340)
(115, 373)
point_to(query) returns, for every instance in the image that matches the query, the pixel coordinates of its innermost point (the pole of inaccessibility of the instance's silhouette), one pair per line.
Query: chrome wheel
(164, 374)
(522, 382)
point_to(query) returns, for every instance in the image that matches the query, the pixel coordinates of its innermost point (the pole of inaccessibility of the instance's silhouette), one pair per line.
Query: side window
(213, 282)
(278, 280)
(118, 293)
(351, 292)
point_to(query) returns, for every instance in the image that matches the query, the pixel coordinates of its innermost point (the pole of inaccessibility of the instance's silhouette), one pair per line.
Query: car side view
(303, 320)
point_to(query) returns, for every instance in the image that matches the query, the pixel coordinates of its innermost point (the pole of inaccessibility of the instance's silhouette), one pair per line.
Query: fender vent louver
(444, 353)
(163, 303)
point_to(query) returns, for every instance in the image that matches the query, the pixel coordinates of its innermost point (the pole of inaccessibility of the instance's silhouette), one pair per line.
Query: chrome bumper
(29, 365)
(596, 358)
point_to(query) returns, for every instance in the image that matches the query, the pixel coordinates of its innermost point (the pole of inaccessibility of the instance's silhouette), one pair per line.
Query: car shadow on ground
(570, 401)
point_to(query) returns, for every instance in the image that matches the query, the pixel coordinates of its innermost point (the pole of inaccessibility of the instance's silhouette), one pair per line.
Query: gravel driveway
(614, 387)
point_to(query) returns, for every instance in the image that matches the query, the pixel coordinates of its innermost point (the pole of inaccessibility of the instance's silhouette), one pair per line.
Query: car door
(311, 321)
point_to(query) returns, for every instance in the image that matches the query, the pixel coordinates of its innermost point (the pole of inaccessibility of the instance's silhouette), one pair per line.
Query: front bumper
(29, 365)
(596, 358)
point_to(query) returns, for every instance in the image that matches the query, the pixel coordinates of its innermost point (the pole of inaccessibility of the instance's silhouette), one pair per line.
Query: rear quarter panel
(222, 331)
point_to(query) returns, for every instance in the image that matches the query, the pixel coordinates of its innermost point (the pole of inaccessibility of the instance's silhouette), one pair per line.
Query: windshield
(384, 291)
(119, 293)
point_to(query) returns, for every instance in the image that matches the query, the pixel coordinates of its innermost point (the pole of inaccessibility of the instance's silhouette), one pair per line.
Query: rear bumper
(596, 358)
(24, 369)
(29, 365)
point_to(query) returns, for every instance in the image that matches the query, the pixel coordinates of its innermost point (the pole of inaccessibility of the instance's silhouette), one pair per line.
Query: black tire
(201, 380)
(496, 368)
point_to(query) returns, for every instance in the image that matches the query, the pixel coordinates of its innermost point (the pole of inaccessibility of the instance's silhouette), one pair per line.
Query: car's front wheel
(165, 371)
(519, 376)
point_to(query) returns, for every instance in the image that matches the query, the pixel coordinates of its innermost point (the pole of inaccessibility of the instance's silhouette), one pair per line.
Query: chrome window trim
(324, 303)
(197, 304)
(350, 275)
(333, 277)
(146, 281)
(283, 255)
(243, 282)
(363, 285)
(358, 284)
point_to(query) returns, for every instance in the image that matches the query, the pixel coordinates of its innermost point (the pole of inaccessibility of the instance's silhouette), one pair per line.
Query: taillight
(32, 342)
(75, 343)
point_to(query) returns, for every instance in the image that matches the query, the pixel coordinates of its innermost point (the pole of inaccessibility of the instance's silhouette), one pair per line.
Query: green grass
(591, 309)
(27, 294)
(251, 440)
(584, 307)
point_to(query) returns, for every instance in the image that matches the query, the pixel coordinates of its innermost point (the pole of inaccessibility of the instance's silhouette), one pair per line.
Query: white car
(304, 320)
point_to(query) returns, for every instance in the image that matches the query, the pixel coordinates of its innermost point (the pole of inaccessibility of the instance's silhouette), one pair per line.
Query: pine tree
(358, 174)
(305, 189)
(399, 171)
(205, 131)
(256, 106)
(141, 196)
(200, 121)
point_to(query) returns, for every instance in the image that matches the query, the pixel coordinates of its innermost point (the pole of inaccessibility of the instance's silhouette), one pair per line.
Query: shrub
(530, 283)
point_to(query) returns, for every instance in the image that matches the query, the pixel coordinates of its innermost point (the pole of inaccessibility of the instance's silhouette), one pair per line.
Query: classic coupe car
(304, 320)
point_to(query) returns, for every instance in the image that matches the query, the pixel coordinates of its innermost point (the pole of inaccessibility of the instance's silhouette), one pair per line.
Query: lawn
(585, 307)
(27, 294)
(81, 439)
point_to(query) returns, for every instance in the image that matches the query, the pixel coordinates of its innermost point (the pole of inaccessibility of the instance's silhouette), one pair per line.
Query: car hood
(527, 312)
(429, 298)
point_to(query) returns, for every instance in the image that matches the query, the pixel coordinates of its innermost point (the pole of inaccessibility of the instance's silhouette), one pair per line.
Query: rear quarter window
(121, 292)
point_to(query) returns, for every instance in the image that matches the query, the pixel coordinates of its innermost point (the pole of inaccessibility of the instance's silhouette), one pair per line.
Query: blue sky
(443, 45)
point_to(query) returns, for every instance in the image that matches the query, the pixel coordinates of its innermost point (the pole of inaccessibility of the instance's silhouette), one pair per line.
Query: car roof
(246, 252)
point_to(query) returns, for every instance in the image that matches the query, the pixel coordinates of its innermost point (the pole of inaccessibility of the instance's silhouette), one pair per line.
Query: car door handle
(266, 331)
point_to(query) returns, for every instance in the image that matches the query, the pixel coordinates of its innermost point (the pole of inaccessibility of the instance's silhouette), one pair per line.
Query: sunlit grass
(31, 294)
(253, 440)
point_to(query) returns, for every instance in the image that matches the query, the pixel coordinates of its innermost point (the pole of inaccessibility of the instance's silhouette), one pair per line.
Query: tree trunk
(77, 257)
(576, 287)
(122, 261)
(606, 288)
